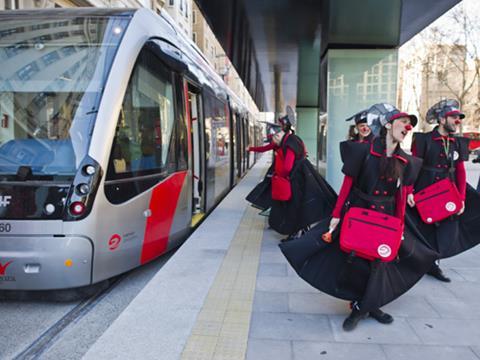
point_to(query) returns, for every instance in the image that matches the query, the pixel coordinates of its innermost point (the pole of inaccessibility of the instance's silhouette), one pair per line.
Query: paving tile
(288, 326)
(369, 331)
(411, 306)
(318, 303)
(267, 269)
(456, 308)
(429, 287)
(465, 291)
(466, 259)
(283, 284)
(451, 332)
(272, 256)
(468, 274)
(270, 302)
(424, 352)
(476, 350)
(259, 349)
(305, 350)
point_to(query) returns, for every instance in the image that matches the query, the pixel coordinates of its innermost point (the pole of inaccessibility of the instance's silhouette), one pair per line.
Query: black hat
(378, 115)
(442, 109)
(289, 118)
(397, 114)
(359, 118)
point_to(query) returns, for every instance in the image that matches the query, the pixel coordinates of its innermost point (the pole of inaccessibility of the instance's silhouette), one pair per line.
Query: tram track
(48, 337)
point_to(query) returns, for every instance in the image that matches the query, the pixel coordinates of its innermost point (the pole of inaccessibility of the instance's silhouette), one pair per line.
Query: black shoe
(437, 273)
(381, 317)
(352, 320)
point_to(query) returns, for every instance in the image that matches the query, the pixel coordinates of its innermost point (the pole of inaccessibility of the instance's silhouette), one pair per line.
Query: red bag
(438, 201)
(281, 188)
(371, 234)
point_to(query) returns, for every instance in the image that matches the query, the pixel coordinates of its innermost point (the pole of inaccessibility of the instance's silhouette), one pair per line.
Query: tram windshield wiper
(24, 173)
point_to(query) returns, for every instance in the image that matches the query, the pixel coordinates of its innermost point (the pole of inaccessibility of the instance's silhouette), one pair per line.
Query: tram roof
(65, 13)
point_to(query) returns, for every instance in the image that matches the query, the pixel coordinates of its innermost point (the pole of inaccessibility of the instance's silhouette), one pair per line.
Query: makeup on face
(363, 129)
(400, 128)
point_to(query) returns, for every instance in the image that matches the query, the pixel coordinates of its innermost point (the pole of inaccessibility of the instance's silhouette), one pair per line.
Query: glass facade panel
(356, 80)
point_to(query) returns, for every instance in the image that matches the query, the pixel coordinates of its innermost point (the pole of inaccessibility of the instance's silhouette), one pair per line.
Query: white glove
(333, 224)
(410, 200)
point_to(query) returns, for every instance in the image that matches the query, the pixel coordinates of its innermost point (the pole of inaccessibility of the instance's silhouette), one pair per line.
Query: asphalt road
(33, 329)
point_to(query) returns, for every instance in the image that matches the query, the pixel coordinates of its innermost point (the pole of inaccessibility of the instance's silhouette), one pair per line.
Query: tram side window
(145, 138)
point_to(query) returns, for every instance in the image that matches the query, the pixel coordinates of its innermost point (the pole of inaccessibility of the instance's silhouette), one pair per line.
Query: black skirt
(261, 195)
(456, 234)
(371, 283)
(312, 199)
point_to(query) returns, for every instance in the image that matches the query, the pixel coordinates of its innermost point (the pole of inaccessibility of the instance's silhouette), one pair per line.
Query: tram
(116, 138)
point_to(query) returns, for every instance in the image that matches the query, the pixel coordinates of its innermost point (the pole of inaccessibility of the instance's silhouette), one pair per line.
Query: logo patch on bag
(450, 206)
(456, 155)
(384, 250)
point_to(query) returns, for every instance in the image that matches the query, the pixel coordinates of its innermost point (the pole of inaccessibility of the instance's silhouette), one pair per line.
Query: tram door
(198, 163)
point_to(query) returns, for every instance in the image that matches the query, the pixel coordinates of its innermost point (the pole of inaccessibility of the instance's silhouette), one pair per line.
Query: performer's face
(452, 123)
(363, 130)
(277, 138)
(400, 128)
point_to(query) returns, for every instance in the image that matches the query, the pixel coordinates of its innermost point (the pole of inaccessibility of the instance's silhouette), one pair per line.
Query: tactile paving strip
(222, 326)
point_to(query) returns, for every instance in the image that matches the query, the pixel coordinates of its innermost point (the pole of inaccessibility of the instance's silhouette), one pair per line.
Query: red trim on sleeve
(342, 196)
(461, 178)
(409, 189)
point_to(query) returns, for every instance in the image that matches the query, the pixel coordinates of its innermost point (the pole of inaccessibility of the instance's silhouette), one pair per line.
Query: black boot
(352, 320)
(381, 317)
(437, 273)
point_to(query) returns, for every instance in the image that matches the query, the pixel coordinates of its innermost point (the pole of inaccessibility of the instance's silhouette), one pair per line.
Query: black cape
(312, 200)
(456, 234)
(371, 283)
(261, 195)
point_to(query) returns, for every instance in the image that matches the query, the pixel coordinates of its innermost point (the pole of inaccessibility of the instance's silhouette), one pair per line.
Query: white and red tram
(116, 138)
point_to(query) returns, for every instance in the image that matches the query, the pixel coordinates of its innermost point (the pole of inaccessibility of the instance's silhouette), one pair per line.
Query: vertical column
(307, 96)
(277, 73)
(356, 80)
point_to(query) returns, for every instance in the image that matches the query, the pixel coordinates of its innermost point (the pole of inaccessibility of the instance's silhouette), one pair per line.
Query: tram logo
(114, 242)
(5, 200)
(3, 267)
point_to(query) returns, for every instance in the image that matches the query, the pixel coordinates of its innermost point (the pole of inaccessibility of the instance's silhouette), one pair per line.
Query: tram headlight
(77, 208)
(83, 189)
(89, 169)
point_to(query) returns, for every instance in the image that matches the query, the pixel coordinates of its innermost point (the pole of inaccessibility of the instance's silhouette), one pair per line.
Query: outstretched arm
(263, 148)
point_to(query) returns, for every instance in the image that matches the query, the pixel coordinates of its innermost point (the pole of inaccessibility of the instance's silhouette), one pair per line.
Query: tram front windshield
(51, 78)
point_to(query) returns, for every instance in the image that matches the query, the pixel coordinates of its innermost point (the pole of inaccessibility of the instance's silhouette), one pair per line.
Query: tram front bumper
(44, 262)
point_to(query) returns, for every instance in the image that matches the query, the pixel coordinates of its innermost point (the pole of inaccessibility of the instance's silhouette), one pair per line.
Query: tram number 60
(5, 227)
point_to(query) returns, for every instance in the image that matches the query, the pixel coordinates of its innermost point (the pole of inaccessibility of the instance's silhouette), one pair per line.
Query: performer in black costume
(376, 177)
(443, 157)
(261, 195)
(308, 188)
(360, 132)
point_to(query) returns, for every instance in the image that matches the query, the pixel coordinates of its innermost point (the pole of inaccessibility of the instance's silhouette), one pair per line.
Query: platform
(228, 293)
